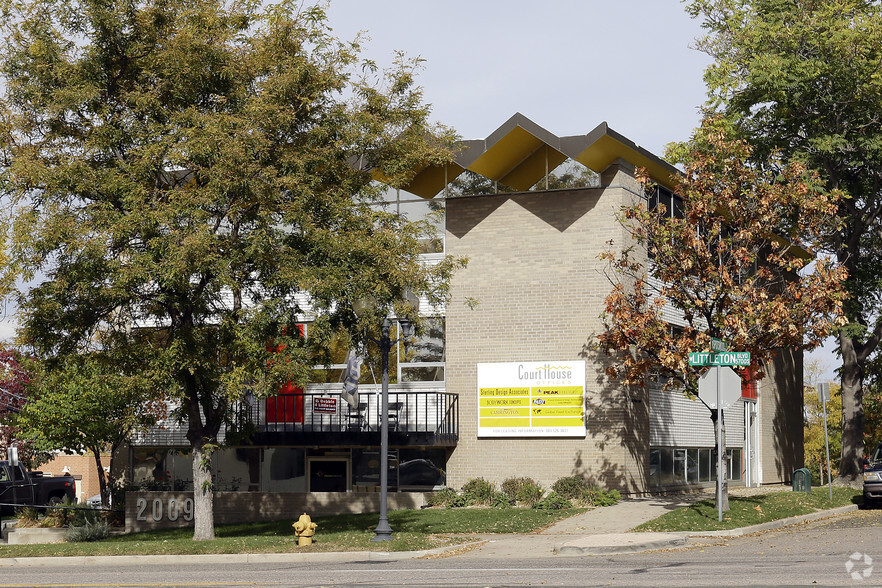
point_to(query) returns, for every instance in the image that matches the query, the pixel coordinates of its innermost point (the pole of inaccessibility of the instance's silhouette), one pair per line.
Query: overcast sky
(568, 65)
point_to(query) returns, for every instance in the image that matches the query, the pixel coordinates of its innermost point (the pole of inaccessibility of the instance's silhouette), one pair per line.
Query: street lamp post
(383, 532)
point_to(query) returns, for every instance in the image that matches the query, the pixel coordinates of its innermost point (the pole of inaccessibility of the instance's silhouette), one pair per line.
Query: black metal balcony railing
(326, 418)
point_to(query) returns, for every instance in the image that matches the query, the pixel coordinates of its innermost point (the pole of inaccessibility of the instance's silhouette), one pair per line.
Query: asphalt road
(841, 551)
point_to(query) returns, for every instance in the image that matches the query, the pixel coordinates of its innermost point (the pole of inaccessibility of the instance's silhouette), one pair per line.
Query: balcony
(427, 418)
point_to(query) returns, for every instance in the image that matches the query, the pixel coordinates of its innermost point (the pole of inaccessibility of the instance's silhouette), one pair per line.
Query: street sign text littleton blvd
(727, 358)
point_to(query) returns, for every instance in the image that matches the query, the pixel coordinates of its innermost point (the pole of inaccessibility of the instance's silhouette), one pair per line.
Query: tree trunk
(852, 376)
(203, 492)
(723, 494)
(103, 490)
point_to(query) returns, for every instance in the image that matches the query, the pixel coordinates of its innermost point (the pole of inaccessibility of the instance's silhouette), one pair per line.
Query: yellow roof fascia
(502, 157)
(605, 146)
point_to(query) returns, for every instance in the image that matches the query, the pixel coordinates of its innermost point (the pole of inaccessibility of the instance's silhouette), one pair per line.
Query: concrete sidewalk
(601, 530)
(606, 530)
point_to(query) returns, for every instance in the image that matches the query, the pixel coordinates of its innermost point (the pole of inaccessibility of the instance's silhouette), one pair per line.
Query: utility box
(802, 480)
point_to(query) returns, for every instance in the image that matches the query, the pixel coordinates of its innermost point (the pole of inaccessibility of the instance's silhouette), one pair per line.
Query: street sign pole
(719, 357)
(719, 449)
(719, 346)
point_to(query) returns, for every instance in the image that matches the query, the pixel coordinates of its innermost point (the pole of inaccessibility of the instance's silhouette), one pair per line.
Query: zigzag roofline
(519, 153)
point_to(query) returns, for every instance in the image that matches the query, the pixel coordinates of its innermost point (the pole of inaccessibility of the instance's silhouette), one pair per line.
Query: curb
(773, 524)
(626, 543)
(219, 558)
(638, 542)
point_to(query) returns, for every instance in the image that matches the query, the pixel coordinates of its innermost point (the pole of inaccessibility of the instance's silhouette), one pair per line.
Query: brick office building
(524, 311)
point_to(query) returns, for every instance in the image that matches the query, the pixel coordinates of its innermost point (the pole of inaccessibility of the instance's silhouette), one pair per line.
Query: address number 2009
(175, 509)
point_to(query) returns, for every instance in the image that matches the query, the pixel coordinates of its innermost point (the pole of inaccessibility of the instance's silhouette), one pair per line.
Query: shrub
(572, 488)
(553, 501)
(478, 491)
(88, 532)
(446, 497)
(525, 491)
(578, 490)
(82, 514)
(27, 517)
(601, 497)
(500, 500)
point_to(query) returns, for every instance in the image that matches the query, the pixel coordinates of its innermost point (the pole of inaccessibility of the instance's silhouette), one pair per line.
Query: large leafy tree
(190, 179)
(728, 265)
(15, 375)
(805, 77)
(88, 405)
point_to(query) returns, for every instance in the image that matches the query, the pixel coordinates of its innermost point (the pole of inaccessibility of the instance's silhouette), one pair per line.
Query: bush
(446, 497)
(525, 491)
(579, 491)
(553, 501)
(478, 492)
(500, 500)
(572, 488)
(27, 517)
(82, 514)
(88, 532)
(601, 497)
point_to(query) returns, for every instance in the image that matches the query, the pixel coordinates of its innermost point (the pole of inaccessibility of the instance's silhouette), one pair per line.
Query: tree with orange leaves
(733, 262)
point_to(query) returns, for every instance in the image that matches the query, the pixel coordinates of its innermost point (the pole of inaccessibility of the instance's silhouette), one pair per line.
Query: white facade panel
(677, 421)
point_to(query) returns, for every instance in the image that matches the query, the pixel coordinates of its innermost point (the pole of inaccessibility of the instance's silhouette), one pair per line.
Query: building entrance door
(328, 474)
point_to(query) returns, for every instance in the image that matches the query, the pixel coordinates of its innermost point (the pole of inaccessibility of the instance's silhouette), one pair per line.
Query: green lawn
(413, 530)
(752, 510)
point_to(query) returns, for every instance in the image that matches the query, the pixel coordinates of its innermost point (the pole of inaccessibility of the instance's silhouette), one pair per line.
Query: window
(424, 361)
(673, 204)
(417, 209)
(675, 466)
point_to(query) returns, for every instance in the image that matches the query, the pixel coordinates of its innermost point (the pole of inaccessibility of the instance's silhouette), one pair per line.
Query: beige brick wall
(535, 274)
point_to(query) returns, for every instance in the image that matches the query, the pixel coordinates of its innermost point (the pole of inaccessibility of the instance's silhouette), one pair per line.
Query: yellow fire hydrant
(304, 529)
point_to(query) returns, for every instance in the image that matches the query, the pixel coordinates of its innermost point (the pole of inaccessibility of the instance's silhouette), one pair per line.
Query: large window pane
(421, 468)
(679, 466)
(429, 345)
(704, 465)
(692, 466)
(284, 470)
(666, 468)
(655, 467)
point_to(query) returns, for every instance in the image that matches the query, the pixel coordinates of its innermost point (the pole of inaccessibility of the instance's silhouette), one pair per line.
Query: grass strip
(751, 510)
(414, 530)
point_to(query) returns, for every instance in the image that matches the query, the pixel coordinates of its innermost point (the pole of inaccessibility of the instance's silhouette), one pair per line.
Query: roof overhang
(520, 153)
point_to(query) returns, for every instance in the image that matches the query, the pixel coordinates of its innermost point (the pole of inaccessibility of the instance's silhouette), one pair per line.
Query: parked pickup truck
(22, 488)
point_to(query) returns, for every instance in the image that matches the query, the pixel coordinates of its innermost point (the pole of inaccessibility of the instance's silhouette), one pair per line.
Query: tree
(15, 375)
(729, 259)
(805, 77)
(87, 405)
(195, 178)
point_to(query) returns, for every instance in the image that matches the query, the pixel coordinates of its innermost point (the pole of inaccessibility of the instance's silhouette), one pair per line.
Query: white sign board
(730, 387)
(531, 399)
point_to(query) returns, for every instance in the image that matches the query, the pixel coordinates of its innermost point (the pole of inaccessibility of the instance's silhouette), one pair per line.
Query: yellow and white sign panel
(531, 399)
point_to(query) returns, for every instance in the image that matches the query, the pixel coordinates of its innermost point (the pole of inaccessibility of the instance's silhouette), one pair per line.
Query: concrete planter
(34, 535)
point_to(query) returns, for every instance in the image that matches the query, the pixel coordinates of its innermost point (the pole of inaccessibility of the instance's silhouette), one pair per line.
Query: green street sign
(718, 346)
(726, 358)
